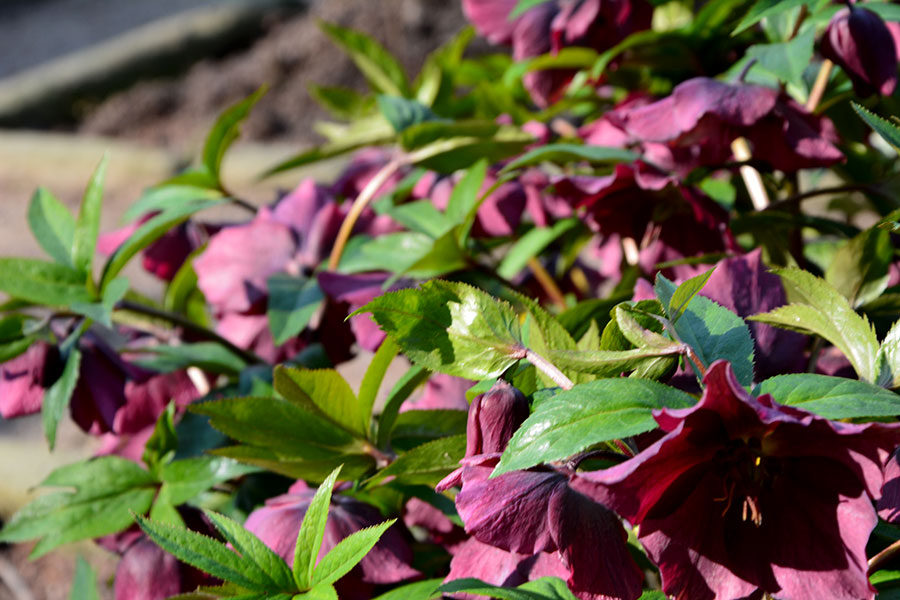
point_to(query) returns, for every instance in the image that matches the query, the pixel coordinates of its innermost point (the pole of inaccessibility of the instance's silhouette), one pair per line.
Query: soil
(293, 54)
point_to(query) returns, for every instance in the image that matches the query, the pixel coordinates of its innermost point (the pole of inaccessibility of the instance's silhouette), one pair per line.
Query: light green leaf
(253, 549)
(324, 391)
(101, 311)
(610, 363)
(831, 397)
(465, 193)
(531, 244)
(347, 554)
(422, 217)
(712, 331)
(292, 303)
(859, 268)
(168, 196)
(402, 390)
(394, 252)
(312, 529)
(52, 225)
(402, 113)
(818, 309)
(188, 477)
(786, 60)
(685, 293)
(448, 155)
(426, 463)
(545, 588)
(225, 131)
(209, 356)
(588, 414)
(372, 379)
(342, 102)
(84, 584)
(42, 282)
(886, 129)
(566, 153)
(380, 69)
(58, 395)
(87, 226)
(888, 359)
(451, 328)
(763, 9)
(420, 590)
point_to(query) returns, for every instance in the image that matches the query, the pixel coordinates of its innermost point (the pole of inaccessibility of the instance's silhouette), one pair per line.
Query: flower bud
(860, 42)
(493, 419)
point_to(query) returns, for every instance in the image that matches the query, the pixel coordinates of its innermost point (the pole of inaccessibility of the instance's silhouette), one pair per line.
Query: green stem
(549, 369)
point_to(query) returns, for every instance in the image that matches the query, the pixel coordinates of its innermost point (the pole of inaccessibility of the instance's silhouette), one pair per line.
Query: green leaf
(87, 226)
(347, 553)
(422, 217)
(888, 11)
(888, 359)
(394, 252)
(58, 395)
(225, 131)
(326, 392)
(186, 478)
(206, 554)
(448, 155)
(312, 529)
(422, 134)
(251, 548)
(106, 492)
(149, 232)
(420, 590)
(786, 60)
(818, 309)
(685, 293)
(859, 268)
(380, 69)
(374, 376)
(209, 356)
(163, 442)
(426, 463)
(415, 427)
(588, 414)
(402, 390)
(566, 153)
(42, 282)
(545, 588)
(465, 193)
(886, 129)
(451, 328)
(84, 584)
(52, 225)
(101, 311)
(610, 363)
(531, 244)
(523, 6)
(831, 397)
(322, 592)
(356, 466)
(712, 331)
(763, 9)
(445, 256)
(402, 113)
(168, 196)
(342, 102)
(292, 303)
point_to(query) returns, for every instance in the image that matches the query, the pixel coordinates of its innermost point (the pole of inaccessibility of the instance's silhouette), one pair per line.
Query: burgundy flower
(860, 42)
(743, 496)
(538, 511)
(551, 26)
(24, 379)
(695, 125)
(743, 285)
(500, 567)
(278, 523)
(889, 503)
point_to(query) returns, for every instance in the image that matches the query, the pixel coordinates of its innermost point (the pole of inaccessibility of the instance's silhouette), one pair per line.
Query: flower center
(745, 473)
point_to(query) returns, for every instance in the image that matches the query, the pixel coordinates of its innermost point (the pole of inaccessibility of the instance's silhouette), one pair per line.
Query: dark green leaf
(531, 244)
(52, 225)
(763, 9)
(163, 442)
(404, 387)
(886, 129)
(225, 131)
(588, 414)
(451, 328)
(465, 193)
(58, 395)
(374, 376)
(253, 549)
(356, 466)
(712, 331)
(414, 427)
(380, 69)
(402, 113)
(312, 529)
(84, 584)
(445, 256)
(421, 134)
(324, 391)
(101, 311)
(426, 463)
(786, 60)
(87, 226)
(545, 588)
(859, 268)
(888, 11)
(566, 153)
(209, 356)
(292, 303)
(186, 478)
(347, 553)
(342, 102)
(831, 397)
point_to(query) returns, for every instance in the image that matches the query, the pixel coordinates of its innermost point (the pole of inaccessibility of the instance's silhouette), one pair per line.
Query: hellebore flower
(743, 285)
(278, 523)
(537, 511)
(499, 567)
(743, 496)
(552, 26)
(695, 125)
(860, 42)
(24, 379)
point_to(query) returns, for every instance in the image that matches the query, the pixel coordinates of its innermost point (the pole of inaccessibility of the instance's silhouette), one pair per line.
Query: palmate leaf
(588, 414)
(312, 529)
(818, 309)
(347, 553)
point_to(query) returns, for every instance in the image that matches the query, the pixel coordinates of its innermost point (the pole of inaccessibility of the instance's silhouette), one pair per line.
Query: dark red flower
(860, 42)
(24, 379)
(743, 496)
(278, 523)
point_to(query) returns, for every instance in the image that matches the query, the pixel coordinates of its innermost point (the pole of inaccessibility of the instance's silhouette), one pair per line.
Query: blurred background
(144, 81)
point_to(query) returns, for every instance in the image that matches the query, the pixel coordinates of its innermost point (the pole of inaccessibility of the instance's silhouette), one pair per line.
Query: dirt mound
(293, 54)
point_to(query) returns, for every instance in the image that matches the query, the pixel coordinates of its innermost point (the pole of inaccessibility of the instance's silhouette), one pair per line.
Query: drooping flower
(860, 42)
(500, 567)
(278, 523)
(537, 511)
(696, 124)
(24, 379)
(743, 496)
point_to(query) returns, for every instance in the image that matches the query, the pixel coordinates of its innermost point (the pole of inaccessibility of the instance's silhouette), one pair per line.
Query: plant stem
(877, 561)
(244, 204)
(818, 89)
(547, 282)
(752, 179)
(839, 189)
(188, 325)
(549, 369)
(359, 205)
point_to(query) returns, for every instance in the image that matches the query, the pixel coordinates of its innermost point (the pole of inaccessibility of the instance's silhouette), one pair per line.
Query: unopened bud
(493, 419)
(859, 41)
